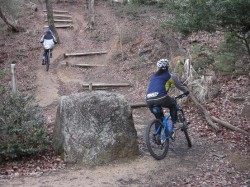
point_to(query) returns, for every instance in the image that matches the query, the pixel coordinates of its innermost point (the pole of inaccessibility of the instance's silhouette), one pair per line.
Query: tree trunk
(244, 39)
(247, 45)
(91, 14)
(50, 19)
(11, 26)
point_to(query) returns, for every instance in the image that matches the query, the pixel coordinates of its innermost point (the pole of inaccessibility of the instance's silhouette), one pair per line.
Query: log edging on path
(84, 54)
(59, 11)
(61, 26)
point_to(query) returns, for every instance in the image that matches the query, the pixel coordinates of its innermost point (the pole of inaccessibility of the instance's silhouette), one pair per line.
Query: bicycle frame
(165, 127)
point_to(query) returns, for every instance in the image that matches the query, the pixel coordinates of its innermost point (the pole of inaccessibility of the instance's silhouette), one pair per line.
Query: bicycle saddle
(156, 109)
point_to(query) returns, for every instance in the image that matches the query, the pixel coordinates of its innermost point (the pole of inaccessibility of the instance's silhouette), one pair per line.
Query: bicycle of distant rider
(47, 58)
(160, 132)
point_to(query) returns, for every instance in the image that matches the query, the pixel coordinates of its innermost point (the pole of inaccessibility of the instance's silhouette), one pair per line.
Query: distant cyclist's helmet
(163, 64)
(49, 31)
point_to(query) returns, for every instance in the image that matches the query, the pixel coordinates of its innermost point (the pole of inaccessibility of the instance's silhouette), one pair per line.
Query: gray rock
(94, 128)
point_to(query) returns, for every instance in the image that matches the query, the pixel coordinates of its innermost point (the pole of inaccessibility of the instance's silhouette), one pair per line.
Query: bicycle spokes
(157, 146)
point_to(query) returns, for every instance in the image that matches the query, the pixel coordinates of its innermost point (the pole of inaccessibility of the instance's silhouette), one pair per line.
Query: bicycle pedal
(173, 137)
(157, 140)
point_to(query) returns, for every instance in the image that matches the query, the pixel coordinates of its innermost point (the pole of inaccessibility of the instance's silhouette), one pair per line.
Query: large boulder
(94, 128)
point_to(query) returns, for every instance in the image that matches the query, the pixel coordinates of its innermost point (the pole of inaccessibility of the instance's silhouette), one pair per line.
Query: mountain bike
(47, 58)
(160, 132)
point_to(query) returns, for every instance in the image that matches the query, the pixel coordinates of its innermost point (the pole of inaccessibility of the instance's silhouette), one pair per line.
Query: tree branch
(11, 26)
(50, 19)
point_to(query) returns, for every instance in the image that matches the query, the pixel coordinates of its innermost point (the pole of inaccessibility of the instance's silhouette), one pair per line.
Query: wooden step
(106, 85)
(60, 26)
(84, 54)
(59, 16)
(58, 11)
(58, 20)
(87, 65)
(138, 105)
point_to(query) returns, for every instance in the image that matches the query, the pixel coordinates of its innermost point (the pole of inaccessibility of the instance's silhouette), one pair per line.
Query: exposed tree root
(210, 119)
(229, 126)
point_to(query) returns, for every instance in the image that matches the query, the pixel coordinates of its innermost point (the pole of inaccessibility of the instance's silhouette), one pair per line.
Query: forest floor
(214, 160)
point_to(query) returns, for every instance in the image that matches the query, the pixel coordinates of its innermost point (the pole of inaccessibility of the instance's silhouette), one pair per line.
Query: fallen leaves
(34, 165)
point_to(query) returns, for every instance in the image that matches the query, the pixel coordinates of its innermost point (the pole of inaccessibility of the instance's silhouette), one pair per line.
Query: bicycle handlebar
(180, 96)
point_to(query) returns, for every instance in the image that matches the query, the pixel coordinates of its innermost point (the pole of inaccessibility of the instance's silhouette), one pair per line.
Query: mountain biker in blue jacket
(48, 40)
(157, 93)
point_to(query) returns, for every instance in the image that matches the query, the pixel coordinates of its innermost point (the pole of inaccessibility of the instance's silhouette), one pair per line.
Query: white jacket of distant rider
(48, 41)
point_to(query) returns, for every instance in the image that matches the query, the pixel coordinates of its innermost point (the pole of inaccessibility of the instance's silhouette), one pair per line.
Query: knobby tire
(159, 152)
(185, 127)
(47, 58)
(47, 66)
(186, 134)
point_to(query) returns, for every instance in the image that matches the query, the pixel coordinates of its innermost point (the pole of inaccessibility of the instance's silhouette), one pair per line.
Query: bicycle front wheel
(156, 148)
(47, 66)
(185, 130)
(184, 127)
(47, 59)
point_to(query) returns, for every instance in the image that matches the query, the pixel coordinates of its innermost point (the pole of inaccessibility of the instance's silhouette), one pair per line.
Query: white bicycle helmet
(163, 64)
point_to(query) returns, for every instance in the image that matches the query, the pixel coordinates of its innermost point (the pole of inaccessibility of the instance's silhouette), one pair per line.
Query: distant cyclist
(157, 93)
(48, 40)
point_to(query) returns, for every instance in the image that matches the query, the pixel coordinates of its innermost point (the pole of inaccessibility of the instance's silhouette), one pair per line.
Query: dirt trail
(204, 164)
(47, 84)
(68, 78)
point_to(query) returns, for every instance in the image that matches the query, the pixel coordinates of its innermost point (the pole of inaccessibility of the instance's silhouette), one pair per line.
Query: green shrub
(233, 45)
(225, 62)
(132, 10)
(11, 7)
(203, 15)
(22, 130)
(202, 57)
(2, 88)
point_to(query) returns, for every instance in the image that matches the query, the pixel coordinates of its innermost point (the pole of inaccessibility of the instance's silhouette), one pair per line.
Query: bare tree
(11, 26)
(91, 14)
(50, 18)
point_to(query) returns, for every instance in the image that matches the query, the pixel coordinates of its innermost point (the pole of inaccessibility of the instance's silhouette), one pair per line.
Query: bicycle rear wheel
(156, 148)
(184, 128)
